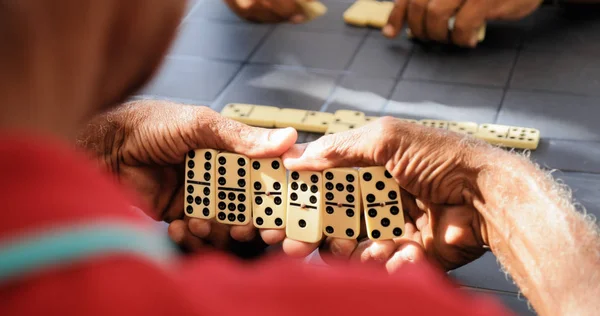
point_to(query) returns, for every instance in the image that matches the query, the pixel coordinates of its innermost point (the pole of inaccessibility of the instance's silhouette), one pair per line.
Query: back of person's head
(92, 52)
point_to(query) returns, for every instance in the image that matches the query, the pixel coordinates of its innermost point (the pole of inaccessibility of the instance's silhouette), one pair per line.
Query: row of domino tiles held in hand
(234, 190)
(344, 120)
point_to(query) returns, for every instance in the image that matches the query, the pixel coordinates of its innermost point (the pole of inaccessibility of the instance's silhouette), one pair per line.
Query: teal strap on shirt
(65, 245)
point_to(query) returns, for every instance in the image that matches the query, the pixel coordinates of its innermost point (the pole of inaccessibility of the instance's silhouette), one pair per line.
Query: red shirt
(70, 244)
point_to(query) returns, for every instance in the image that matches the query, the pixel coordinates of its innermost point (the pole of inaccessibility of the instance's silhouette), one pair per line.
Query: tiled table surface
(542, 72)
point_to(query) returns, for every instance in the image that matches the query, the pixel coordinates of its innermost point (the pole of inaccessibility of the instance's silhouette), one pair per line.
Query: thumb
(254, 142)
(368, 145)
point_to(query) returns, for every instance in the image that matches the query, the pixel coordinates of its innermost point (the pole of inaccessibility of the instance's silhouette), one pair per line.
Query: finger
(199, 227)
(396, 19)
(219, 235)
(253, 142)
(243, 232)
(374, 252)
(336, 249)
(180, 234)
(469, 21)
(283, 8)
(436, 20)
(354, 148)
(416, 17)
(408, 252)
(272, 236)
(298, 249)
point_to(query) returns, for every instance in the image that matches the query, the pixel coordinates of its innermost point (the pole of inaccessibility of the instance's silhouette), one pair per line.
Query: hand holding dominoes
(437, 173)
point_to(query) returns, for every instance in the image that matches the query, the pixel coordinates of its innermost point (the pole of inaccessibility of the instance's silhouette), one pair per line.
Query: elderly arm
(551, 250)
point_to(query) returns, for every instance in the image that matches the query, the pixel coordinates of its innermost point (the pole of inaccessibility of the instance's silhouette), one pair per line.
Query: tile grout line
(508, 80)
(397, 81)
(241, 67)
(343, 73)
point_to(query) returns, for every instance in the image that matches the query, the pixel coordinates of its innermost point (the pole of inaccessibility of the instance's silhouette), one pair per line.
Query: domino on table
(384, 215)
(251, 114)
(305, 206)
(269, 193)
(350, 117)
(469, 128)
(233, 180)
(434, 123)
(509, 136)
(304, 121)
(342, 203)
(369, 13)
(312, 9)
(200, 183)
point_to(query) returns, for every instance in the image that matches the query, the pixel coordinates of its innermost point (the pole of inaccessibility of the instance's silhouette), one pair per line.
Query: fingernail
(298, 18)
(473, 41)
(388, 30)
(281, 135)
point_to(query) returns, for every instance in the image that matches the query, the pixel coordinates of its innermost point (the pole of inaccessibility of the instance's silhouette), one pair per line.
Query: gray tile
(189, 79)
(308, 49)
(331, 22)
(218, 40)
(482, 66)
(361, 94)
(585, 188)
(564, 30)
(568, 155)
(422, 100)
(214, 10)
(513, 302)
(507, 34)
(277, 86)
(570, 72)
(556, 115)
(484, 273)
(380, 57)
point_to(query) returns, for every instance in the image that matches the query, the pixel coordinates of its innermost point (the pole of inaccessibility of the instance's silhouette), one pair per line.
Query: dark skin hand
(144, 145)
(428, 19)
(441, 224)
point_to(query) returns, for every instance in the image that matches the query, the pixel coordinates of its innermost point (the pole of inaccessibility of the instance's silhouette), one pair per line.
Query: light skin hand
(144, 144)
(440, 225)
(462, 194)
(268, 11)
(428, 19)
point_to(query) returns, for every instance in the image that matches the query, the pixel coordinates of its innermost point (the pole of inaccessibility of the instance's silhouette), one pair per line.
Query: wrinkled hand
(428, 19)
(144, 145)
(437, 170)
(268, 11)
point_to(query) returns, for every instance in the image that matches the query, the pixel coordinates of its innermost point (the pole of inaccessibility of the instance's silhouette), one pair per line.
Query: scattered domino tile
(251, 114)
(303, 120)
(340, 127)
(200, 183)
(369, 13)
(342, 203)
(305, 206)
(435, 123)
(348, 116)
(269, 192)
(312, 9)
(492, 133)
(233, 191)
(521, 137)
(384, 215)
(469, 128)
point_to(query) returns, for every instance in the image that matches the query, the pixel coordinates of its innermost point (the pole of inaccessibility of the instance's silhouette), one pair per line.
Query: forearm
(551, 250)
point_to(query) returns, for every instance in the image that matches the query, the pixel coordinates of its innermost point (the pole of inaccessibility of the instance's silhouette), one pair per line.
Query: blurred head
(92, 53)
